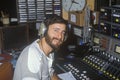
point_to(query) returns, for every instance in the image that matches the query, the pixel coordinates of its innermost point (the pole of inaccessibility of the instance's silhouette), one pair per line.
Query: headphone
(43, 30)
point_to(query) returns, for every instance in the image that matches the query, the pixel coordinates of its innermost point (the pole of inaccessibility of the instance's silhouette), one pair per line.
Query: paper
(66, 76)
(73, 18)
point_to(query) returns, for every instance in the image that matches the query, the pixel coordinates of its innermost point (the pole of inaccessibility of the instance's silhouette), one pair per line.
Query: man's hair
(51, 19)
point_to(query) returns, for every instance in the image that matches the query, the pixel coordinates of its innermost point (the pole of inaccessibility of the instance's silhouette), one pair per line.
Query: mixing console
(80, 71)
(105, 63)
(97, 65)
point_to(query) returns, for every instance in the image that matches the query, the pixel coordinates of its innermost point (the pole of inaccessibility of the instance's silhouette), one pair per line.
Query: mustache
(58, 39)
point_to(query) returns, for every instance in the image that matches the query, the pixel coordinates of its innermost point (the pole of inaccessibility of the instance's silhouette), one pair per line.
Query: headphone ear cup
(42, 30)
(66, 36)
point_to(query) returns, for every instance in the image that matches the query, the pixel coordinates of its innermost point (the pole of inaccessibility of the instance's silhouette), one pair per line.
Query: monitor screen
(117, 49)
(15, 37)
(96, 40)
(78, 31)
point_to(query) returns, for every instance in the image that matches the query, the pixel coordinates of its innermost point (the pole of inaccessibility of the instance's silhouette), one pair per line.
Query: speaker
(42, 31)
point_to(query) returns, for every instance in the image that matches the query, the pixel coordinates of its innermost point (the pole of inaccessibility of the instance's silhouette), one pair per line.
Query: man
(35, 61)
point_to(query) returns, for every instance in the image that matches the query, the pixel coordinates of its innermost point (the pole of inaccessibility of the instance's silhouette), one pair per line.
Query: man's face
(55, 35)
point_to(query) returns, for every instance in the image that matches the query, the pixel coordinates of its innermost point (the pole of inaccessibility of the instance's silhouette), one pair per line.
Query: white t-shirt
(33, 64)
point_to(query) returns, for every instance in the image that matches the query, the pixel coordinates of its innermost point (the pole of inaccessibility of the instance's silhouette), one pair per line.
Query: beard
(49, 40)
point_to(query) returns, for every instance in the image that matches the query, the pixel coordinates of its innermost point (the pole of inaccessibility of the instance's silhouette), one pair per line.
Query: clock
(73, 5)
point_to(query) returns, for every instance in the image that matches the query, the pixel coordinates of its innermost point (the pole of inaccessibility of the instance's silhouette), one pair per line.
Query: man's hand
(55, 77)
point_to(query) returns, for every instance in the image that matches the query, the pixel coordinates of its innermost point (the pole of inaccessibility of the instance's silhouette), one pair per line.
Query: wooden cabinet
(33, 32)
